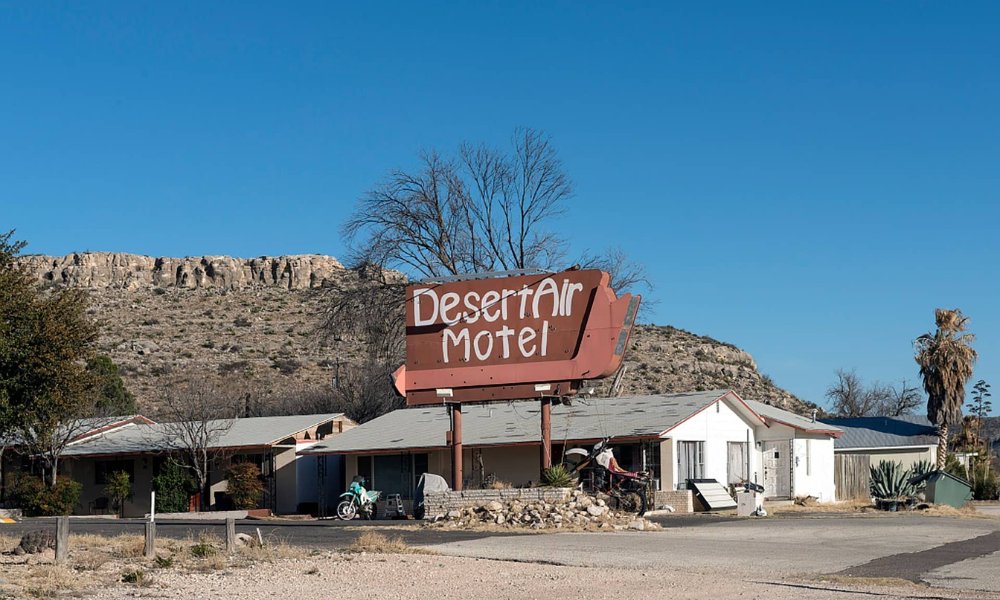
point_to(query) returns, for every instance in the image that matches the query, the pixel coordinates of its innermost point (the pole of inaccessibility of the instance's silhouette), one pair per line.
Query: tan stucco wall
(906, 456)
(286, 485)
(516, 465)
(82, 470)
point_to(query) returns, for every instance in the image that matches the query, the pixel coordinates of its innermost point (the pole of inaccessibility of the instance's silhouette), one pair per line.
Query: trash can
(945, 488)
(749, 500)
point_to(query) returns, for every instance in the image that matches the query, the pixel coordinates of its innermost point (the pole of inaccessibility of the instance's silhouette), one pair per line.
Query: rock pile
(35, 542)
(580, 511)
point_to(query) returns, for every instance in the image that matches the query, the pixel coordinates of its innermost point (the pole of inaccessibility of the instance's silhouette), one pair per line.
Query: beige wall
(83, 471)
(906, 456)
(516, 465)
(286, 483)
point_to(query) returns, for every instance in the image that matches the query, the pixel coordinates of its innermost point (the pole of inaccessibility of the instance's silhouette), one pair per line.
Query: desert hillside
(257, 318)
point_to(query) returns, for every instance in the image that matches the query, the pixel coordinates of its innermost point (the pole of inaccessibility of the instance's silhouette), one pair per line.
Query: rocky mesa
(257, 318)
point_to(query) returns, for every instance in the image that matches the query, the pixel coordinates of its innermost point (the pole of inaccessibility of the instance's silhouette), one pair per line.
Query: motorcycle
(357, 500)
(598, 472)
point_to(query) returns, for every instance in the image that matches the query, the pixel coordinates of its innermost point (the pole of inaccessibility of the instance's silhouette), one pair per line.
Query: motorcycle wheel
(346, 510)
(633, 502)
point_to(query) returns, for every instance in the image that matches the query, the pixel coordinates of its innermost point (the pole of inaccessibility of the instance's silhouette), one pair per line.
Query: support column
(456, 447)
(546, 433)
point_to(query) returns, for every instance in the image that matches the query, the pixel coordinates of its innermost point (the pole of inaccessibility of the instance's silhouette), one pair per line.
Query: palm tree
(945, 358)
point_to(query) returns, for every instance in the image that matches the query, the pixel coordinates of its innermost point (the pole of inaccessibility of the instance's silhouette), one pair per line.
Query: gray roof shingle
(518, 422)
(244, 433)
(791, 419)
(884, 432)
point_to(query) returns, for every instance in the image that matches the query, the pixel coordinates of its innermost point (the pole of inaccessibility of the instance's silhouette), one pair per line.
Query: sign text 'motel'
(496, 339)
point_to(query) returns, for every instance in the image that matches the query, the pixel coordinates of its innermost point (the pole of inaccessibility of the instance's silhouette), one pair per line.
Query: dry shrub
(89, 560)
(47, 581)
(943, 510)
(271, 551)
(846, 506)
(8, 542)
(128, 546)
(499, 485)
(377, 543)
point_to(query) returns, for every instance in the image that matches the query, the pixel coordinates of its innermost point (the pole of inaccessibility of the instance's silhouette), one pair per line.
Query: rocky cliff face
(256, 319)
(110, 270)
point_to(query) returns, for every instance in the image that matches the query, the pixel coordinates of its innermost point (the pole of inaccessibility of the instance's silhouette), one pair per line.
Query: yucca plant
(890, 481)
(557, 476)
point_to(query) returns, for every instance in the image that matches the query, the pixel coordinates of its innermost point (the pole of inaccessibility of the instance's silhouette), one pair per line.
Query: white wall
(716, 425)
(812, 479)
(812, 466)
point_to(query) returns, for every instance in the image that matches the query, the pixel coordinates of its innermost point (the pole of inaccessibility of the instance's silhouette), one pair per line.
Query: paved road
(950, 552)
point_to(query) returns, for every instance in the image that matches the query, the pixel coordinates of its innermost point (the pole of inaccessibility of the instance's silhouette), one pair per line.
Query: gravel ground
(387, 577)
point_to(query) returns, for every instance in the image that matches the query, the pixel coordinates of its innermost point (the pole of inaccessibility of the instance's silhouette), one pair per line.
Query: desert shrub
(119, 489)
(36, 499)
(174, 486)
(287, 366)
(985, 482)
(163, 562)
(245, 486)
(889, 480)
(203, 549)
(953, 467)
(557, 476)
(136, 577)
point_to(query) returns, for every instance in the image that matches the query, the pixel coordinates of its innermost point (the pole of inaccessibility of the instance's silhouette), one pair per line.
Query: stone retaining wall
(681, 500)
(438, 504)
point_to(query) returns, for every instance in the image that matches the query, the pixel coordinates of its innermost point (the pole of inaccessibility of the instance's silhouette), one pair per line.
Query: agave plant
(557, 476)
(889, 480)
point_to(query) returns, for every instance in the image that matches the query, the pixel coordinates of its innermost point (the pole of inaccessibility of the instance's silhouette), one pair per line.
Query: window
(690, 462)
(737, 459)
(104, 468)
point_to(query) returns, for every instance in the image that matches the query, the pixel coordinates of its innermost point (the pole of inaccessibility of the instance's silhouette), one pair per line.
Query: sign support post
(546, 433)
(456, 446)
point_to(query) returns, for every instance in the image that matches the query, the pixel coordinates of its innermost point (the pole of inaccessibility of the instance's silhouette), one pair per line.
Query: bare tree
(903, 400)
(194, 417)
(487, 210)
(361, 392)
(850, 396)
(47, 441)
(626, 274)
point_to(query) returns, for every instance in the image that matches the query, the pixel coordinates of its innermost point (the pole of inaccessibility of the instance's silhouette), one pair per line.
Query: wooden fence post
(231, 535)
(62, 539)
(149, 550)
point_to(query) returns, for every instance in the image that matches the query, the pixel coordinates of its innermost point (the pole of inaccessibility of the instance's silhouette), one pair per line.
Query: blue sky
(807, 182)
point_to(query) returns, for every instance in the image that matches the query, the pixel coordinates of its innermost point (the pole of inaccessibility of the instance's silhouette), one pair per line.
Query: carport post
(456, 447)
(546, 433)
